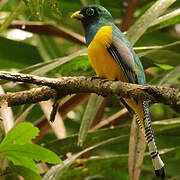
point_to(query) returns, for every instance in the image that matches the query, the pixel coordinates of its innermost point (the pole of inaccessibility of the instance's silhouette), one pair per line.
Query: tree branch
(47, 29)
(129, 15)
(70, 85)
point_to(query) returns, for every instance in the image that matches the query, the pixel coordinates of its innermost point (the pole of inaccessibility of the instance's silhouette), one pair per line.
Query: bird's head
(93, 17)
(92, 14)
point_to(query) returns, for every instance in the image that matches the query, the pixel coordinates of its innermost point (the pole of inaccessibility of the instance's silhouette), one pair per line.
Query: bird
(112, 57)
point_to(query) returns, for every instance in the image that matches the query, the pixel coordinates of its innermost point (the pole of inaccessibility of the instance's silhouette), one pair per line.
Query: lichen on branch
(59, 87)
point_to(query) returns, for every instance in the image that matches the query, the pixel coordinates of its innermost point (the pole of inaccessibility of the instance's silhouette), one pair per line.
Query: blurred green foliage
(158, 49)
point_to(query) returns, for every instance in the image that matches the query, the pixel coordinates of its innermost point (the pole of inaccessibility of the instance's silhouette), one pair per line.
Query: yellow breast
(106, 67)
(102, 62)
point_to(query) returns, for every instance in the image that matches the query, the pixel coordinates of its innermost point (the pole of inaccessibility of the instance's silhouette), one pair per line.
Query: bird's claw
(100, 78)
(94, 77)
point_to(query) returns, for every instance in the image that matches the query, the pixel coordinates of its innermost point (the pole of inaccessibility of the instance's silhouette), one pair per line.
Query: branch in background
(64, 108)
(71, 103)
(71, 85)
(100, 113)
(47, 29)
(7, 116)
(44, 128)
(119, 116)
(143, 23)
(58, 124)
(129, 15)
(149, 72)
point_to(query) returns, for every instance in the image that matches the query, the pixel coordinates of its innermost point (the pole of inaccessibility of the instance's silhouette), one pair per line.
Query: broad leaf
(20, 160)
(26, 173)
(161, 56)
(98, 167)
(157, 47)
(43, 68)
(18, 54)
(23, 155)
(166, 20)
(69, 144)
(79, 66)
(1, 133)
(20, 134)
(69, 167)
(171, 78)
(137, 146)
(12, 16)
(88, 117)
(58, 171)
(55, 6)
(144, 22)
(47, 47)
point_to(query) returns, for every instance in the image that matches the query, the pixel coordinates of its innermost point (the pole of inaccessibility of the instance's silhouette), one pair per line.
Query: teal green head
(93, 17)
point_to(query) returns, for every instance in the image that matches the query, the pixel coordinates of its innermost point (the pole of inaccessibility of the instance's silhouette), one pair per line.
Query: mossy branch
(59, 87)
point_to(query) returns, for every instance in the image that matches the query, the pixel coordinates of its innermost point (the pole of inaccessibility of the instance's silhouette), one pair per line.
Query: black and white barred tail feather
(147, 128)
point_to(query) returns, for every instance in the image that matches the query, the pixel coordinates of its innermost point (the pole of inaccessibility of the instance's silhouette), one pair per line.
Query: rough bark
(58, 87)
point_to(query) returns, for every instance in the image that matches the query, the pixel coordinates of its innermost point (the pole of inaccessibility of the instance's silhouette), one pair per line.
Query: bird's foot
(94, 77)
(160, 173)
(100, 78)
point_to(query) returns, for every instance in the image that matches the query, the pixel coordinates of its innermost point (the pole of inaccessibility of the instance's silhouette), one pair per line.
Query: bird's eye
(90, 11)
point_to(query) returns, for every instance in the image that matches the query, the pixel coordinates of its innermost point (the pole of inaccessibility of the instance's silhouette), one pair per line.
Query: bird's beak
(77, 15)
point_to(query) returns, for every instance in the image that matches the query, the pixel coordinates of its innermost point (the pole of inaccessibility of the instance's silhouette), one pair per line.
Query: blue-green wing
(123, 54)
(124, 58)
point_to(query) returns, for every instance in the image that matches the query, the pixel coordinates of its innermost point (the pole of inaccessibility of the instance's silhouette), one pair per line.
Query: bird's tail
(146, 126)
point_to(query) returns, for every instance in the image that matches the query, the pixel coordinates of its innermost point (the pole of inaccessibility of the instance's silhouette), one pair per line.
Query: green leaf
(90, 113)
(171, 78)
(35, 7)
(26, 173)
(20, 160)
(144, 22)
(25, 112)
(1, 133)
(55, 6)
(15, 54)
(43, 68)
(158, 38)
(47, 47)
(20, 134)
(166, 20)
(137, 147)
(157, 47)
(165, 67)
(69, 144)
(18, 9)
(98, 167)
(79, 66)
(163, 129)
(23, 155)
(58, 171)
(161, 56)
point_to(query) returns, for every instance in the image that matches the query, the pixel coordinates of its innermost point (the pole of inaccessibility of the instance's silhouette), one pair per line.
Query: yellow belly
(102, 62)
(106, 67)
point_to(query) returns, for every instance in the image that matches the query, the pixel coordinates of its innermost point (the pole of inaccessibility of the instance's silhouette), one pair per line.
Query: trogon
(112, 57)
